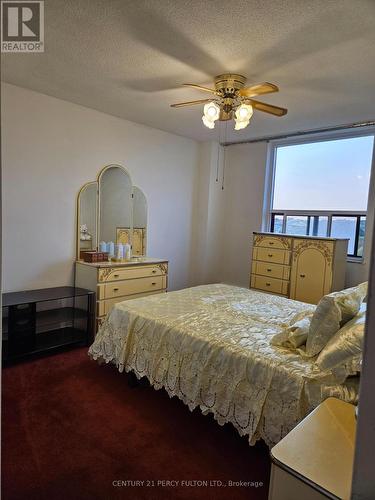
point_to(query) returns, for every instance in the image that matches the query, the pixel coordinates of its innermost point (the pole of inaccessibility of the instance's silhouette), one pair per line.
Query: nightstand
(315, 460)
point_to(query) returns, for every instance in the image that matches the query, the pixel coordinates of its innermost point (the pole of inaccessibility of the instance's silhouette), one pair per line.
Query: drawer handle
(153, 271)
(268, 284)
(116, 275)
(115, 289)
(269, 270)
(153, 283)
(271, 242)
(302, 275)
(270, 255)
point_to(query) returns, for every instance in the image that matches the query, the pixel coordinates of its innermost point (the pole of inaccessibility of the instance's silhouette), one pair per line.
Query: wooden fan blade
(267, 108)
(259, 89)
(189, 103)
(199, 87)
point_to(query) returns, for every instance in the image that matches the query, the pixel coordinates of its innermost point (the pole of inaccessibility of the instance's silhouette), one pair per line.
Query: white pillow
(332, 312)
(293, 336)
(345, 347)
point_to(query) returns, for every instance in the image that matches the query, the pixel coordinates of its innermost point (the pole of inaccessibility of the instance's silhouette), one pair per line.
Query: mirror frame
(97, 183)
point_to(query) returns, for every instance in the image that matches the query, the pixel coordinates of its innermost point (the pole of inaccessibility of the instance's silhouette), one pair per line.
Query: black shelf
(43, 295)
(53, 317)
(48, 343)
(29, 331)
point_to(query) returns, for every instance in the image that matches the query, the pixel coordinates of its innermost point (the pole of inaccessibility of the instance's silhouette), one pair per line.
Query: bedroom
(99, 95)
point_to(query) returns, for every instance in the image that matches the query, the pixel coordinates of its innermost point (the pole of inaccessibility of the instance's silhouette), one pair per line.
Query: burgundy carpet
(72, 429)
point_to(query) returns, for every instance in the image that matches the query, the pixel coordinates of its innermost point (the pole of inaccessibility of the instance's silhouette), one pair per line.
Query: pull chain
(224, 154)
(218, 160)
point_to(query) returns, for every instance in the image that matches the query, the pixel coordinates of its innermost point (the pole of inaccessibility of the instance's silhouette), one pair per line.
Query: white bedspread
(209, 346)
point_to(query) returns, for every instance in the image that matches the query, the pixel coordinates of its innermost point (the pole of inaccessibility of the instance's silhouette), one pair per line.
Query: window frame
(309, 139)
(330, 215)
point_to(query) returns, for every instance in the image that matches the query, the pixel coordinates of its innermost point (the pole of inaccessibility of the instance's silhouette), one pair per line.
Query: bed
(210, 346)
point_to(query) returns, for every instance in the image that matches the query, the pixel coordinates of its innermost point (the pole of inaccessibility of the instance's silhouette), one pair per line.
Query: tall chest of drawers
(116, 282)
(299, 267)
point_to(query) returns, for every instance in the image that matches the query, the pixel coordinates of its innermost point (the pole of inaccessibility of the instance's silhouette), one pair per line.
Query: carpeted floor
(72, 429)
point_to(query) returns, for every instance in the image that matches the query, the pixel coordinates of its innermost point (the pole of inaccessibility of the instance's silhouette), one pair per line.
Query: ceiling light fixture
(233, 101)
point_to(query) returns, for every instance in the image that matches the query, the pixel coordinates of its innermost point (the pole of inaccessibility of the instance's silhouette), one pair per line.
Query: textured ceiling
(128, 58)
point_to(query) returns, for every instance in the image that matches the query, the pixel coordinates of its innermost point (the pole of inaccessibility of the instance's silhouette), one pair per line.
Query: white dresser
(115, 282)
(299, 267)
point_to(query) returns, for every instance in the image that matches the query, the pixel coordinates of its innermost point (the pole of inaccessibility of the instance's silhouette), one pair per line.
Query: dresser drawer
(126, 273)
(130, 287)
(272, 242)
(269, 284)
(278, 271)
(272, 255)
(104, 306)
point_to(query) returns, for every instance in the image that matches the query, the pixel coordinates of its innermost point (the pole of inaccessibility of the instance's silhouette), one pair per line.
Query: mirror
(112, 209)
(139, 221)
(87, 210)
(138, 240)
(115, 205)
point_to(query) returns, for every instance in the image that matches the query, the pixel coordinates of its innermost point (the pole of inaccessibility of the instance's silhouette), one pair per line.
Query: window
(321, 189)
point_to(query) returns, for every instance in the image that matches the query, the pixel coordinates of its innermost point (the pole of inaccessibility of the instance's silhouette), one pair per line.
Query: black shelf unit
(37, 322)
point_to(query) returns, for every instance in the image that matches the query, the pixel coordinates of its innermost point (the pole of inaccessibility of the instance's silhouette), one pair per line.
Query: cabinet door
(311, 275)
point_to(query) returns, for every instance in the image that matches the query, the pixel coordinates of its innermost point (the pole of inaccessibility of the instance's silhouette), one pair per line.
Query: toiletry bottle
(111, 249)
(119, 251)
(127, 251)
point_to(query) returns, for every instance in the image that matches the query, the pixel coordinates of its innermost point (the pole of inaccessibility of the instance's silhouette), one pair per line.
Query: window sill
(355, 260)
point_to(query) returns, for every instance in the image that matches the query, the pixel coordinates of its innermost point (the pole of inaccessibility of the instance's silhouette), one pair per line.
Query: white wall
(240, 207)
(50, 148)
(209, 210)
(243, 201)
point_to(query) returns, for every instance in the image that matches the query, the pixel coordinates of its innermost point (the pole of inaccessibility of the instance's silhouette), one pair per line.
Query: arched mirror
(138, 238)
(87, 217)
(115, 203)
(112, 210)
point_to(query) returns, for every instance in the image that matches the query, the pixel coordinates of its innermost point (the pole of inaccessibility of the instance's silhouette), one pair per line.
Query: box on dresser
(93, 256)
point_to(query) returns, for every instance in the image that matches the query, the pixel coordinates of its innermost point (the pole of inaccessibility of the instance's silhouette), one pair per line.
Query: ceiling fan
(233, 100)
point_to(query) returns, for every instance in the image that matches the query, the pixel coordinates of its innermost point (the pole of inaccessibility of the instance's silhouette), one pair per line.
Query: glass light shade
(240, 124)
(211, 111)
(244, 112)
(207, 122)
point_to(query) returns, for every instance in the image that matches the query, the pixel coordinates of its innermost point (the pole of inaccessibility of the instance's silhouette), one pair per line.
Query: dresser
(298, 267)
(115, 282)
(114, 212)
(315, 460)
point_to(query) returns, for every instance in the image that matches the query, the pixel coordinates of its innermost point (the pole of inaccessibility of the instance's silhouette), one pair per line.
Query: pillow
(332, 312)
(293, 336)
(345, 347)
